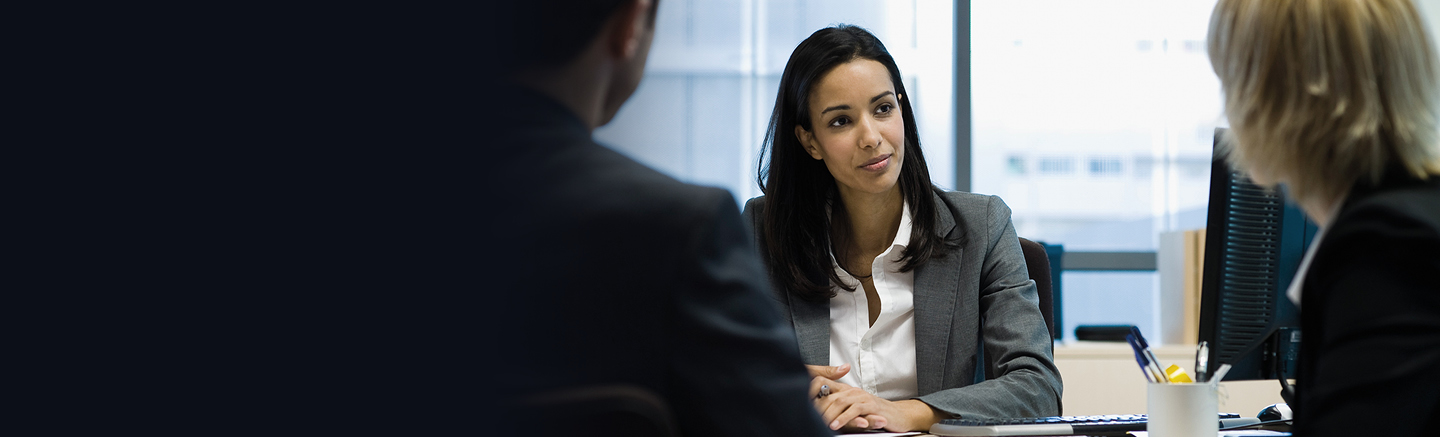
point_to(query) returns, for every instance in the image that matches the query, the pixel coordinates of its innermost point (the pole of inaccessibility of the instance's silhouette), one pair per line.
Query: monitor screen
(1254, 241)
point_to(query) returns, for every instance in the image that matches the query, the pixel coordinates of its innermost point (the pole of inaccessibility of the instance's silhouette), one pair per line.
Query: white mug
(1181, 410)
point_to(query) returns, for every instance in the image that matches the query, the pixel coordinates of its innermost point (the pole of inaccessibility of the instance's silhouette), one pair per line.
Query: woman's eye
(838, 122)
(885, 108)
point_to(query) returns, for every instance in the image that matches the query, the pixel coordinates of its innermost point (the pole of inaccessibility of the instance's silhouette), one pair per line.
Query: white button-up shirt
(881, 357)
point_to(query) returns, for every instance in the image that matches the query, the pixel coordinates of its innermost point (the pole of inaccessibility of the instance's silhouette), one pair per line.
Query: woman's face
(858, 129)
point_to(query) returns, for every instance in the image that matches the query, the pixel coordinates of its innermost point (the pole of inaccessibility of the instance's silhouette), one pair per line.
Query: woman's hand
(832, 373)
(851, 407)
(822, 400)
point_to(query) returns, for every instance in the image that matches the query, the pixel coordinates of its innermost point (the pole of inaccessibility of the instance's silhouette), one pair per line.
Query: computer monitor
(1254, 241)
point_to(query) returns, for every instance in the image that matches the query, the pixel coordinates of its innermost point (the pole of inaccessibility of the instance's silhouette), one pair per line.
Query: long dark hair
(799, 190)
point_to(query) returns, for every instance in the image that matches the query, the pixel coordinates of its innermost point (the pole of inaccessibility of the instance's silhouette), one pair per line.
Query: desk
(1246, 433)
(1102, 378)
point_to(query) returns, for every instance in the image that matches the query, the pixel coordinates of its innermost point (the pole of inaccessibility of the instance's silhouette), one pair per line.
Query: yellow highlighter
(1177, 374)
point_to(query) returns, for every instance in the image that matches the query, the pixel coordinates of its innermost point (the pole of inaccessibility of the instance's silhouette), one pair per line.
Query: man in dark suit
(611, 274)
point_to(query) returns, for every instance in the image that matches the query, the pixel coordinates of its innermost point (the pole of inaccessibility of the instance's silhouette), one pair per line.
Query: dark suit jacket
(611, 273)
(980, 294)
(1370, 316)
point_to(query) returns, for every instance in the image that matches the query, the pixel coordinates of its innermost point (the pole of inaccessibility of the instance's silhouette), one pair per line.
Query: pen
(1140, 358)
(1202, 361)
(1145, 348)
(824, 391)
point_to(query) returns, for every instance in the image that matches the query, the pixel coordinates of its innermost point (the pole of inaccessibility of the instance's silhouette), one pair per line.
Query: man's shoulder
(589, 185)
(628, 181)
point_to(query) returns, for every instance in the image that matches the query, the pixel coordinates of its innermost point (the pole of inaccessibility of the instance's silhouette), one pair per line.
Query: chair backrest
(611, 410)
(1039, 265)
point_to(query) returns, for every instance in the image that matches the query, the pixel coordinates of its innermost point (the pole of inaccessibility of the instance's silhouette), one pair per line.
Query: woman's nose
(869, 133)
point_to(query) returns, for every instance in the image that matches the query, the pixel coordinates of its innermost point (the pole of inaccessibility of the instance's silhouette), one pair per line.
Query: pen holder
(1181, 410)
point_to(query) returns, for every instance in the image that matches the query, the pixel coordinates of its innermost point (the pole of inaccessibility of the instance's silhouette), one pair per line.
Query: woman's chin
(878, 187)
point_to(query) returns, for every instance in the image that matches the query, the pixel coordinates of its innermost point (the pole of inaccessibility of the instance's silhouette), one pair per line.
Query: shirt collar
(892, 255)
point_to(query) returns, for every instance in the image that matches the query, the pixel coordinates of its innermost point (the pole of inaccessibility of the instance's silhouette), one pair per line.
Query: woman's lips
(877, 164)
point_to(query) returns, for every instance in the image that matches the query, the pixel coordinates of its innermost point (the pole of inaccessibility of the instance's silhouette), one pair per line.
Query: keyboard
(1116, 424)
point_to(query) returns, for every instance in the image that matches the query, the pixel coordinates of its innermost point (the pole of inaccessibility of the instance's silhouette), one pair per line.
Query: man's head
(545, 37)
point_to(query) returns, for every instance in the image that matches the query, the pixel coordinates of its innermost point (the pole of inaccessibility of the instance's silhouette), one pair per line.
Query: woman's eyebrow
(872, 100)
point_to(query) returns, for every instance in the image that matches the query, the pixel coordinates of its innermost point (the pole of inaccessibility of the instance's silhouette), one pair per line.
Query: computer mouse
(1274, 412)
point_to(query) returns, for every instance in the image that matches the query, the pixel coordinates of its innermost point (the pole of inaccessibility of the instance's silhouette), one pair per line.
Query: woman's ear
(807, 140)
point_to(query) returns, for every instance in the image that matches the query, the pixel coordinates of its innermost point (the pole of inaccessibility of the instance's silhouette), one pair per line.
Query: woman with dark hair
(910, 304)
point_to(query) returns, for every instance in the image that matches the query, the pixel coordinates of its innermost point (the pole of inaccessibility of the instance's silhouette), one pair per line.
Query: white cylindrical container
(1182, 410)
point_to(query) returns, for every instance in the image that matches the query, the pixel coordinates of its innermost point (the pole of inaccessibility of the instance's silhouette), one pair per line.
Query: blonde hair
(1323, 93)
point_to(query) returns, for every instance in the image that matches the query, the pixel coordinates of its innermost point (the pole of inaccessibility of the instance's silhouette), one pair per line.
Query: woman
(893, 286)
(1336, 100)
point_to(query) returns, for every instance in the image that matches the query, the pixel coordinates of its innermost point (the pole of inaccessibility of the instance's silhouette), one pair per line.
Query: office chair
(610, 410)
(1039, 265)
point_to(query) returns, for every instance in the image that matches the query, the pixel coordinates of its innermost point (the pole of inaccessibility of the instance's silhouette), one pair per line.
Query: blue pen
(1145, 348)
(1139, 359)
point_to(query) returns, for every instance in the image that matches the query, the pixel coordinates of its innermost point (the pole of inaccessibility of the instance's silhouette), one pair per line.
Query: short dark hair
(550, 33)
(795, 226)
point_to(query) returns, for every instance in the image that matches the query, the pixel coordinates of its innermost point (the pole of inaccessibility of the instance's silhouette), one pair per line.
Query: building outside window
(1104, 83)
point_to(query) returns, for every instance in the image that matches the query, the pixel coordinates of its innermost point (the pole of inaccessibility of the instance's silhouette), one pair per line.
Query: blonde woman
(1336, 100)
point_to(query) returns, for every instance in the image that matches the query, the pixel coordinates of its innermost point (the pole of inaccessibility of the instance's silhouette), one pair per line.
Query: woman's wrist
(919, 415)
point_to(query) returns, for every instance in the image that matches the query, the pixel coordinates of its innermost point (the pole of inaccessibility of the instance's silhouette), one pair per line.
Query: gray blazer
(980, 293)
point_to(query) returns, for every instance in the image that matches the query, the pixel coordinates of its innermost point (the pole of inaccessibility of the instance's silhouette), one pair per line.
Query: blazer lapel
(936, 287)
(812, 329)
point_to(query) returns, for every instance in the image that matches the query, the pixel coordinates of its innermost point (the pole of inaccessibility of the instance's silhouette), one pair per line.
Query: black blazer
(611, 272)
(1370, 316)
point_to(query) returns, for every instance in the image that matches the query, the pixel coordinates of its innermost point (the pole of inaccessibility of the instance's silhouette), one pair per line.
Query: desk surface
(1243, 433)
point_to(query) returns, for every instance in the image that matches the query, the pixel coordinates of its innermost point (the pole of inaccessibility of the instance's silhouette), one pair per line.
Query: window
(701, 112)
(1106, 84)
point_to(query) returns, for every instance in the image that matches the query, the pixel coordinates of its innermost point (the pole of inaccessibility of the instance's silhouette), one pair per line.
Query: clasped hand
(851, 407)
